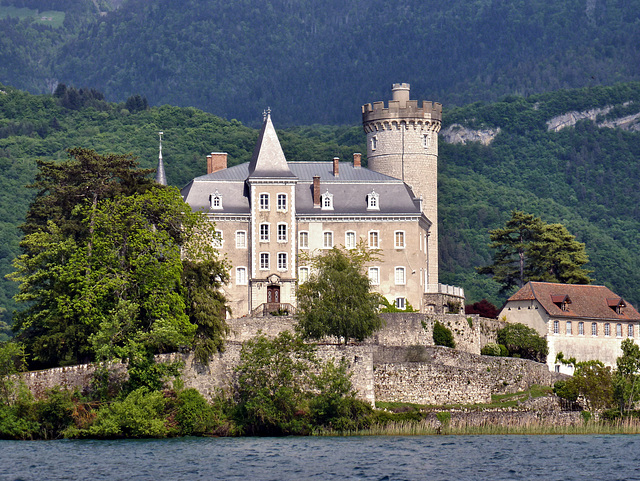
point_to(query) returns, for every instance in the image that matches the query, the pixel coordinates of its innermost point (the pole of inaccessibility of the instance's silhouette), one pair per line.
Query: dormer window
(616, 304)
(373, 201)
(215, 200)
(326, 201)
(562, 301)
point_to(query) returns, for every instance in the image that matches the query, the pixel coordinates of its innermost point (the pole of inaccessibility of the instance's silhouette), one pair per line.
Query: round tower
(402, 142)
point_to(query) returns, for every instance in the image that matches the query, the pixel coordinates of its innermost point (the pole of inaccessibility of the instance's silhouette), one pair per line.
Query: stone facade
(402, 142)
(587, 322)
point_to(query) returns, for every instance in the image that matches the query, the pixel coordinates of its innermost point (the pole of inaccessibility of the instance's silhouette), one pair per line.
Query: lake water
(539, 458)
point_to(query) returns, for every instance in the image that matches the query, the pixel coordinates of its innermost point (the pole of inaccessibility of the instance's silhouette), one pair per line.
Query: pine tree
(528, 249)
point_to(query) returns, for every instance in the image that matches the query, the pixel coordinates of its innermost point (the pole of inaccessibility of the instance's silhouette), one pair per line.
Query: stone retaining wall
(399, 363)
(440, 375)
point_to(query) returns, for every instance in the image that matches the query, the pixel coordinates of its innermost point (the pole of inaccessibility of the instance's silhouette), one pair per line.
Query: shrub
(139, 415)
(197, 417)
(444, 417)
(491, 349)
(55, 412)
(442, 336)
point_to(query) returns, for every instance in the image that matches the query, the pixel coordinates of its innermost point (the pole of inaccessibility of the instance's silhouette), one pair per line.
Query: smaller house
(582, 321)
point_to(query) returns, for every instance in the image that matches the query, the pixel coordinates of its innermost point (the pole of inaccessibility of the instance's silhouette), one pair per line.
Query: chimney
(357, 160)
(316, 191)
(216, 161)
(336, 167)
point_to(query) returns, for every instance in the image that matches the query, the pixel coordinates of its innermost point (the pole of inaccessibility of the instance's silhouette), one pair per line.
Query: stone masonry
(399, 363)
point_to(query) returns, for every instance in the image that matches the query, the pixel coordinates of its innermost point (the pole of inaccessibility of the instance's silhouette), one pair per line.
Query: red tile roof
(586, 301)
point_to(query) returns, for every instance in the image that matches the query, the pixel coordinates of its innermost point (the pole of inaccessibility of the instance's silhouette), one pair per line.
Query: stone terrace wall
(440, 375)
(414, 328)
(245, 328)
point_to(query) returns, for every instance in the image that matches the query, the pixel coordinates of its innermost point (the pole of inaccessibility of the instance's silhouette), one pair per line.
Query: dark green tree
(337, 299)
(206, 304)
(592, 381)
(528, 249)
(102, 277)
(524, 342)
(283, 388)
(626, 384)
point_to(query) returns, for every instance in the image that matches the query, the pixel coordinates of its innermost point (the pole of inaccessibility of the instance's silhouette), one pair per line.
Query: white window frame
(373, 201)
(303, 239)
(303, 274)
(569, 328)
(281, 202)
(619, 330)
(279, 236)
(401, 303)
(399, 235)
(241, 276)
(264, 201)
(282, 260)
(241, 239)
(607, 329)
(375, 236)
(327, 235)
(215, 201)
(374, 275)
(350, 235)
(326, 201)
(581, 328)
(264, 232)
(594, 329)
(630, 330)
(556, 327)
(400, 276)
(265, 261)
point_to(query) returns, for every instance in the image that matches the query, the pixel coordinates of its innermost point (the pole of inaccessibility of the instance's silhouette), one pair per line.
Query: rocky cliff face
(458, 134)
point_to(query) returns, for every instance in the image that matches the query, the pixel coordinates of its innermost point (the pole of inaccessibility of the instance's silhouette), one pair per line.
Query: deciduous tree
(337, 299)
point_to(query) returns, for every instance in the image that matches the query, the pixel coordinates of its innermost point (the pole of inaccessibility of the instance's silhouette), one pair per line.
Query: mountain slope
(312, 62)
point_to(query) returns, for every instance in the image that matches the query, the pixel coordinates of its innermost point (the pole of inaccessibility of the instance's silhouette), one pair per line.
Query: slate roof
(268, 158)
(349, 189)
(584, 301)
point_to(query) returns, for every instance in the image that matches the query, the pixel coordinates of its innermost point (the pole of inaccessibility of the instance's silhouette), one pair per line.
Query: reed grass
(427, 427)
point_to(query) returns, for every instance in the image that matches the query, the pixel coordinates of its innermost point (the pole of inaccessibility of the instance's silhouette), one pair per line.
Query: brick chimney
(216, 161)
(316, 191)
(357, 160)
(336, 167)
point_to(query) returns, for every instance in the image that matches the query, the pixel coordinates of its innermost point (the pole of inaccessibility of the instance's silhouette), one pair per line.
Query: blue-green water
(539, 458)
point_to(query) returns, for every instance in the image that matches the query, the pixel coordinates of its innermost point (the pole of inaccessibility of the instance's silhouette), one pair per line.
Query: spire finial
(266, 114)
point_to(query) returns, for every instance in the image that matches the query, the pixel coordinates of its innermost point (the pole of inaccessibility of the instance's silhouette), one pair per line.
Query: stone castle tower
(402, 142)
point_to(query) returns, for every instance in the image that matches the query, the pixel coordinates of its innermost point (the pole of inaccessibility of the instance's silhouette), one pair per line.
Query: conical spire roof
(161, 177)
(268, 158)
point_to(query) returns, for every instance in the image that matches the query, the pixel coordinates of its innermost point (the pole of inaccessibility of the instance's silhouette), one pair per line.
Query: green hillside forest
(313, 61)
(585, 175)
